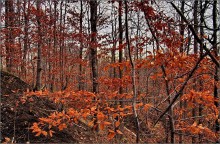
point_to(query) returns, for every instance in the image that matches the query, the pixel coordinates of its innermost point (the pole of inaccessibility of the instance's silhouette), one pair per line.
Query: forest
(110, 71)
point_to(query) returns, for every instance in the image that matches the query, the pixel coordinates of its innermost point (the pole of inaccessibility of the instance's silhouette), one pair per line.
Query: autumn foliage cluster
(132, 66)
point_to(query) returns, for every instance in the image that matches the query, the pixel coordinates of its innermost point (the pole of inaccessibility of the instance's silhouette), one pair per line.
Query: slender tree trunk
(195, 13)
(9, 20)
(182, 28)
(26, 40)
(120, 45)
(93, 53)
(38, 75)
(202, 12)
(113, 70)
(81, 84)
(171, 121)
(54, 46)
(19, 54)
(189, 41)
(93, 48)
(61, 47)
(216, 53)
(133, 75)
(49, 53)
(137, 50)
(64, 58)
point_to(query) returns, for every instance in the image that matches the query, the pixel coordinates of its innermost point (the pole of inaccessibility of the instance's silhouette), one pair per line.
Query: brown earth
(17, 117)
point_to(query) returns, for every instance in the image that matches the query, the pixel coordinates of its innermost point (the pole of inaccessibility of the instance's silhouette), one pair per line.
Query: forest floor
(18, 113)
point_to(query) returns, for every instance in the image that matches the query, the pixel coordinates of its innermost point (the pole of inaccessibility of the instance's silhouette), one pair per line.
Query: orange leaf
(44, 133)
(38, 134)
(47, 120)
(111, 135)
(51, 133)
(75, 120)
(159, 75)
(58, 121)
(194, 124)
(111, 131)
(147, 106)
(181, 80)
(117, 123)
(107, 123)
(102, 126)
(93, 109)
(62, 126)
(119, 132)
(100, 116)
(115, 115)
(34, 125)
(139, 105)
(90, 124)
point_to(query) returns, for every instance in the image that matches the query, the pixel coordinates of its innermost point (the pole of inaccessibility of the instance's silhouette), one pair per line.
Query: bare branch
(178, 94)
(196, 36)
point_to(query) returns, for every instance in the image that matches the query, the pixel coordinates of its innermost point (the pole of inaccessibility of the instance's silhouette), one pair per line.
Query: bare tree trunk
(202, 12)
(64, 50)
(120, 45)
(81, 84)
(9, 20)
(93, 48)
(93, 53)
(182, 27)
(132, 75)
(61, 50)
(171, 121)
(38, 75)
(26, 40)
(113, 70)
(195, 12)
(216, 51)
(137, 50)
(54, 45)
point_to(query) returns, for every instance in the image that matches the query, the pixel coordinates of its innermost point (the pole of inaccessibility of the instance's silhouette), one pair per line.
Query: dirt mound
(18, 113)
(18, 116)
(11, 84)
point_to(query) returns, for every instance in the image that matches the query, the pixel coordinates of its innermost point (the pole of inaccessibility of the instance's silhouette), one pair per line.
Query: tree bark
(93, 47)
(113, 70)
(216, 53)
(81, 84)
(133, 75)
(120, 45)
(54, 45)
(61, 47)
(195, 45)
(26, 39)
(182, 28)
(9, 20)
(38, 75)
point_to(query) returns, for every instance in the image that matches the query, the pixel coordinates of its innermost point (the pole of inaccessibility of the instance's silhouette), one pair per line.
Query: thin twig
(179, 93)
(195, 35)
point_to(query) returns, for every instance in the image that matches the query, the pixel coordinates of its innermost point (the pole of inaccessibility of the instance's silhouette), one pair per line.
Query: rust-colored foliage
(82, 72)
